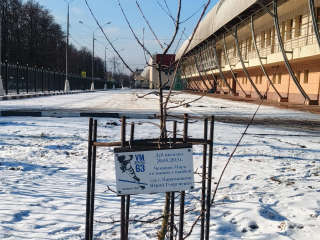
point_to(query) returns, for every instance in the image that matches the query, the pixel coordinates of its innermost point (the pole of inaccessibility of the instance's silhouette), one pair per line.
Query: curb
(11, 97)
(72, 114)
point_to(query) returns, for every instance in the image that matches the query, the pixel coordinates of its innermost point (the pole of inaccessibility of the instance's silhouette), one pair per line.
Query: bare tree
(158, 66)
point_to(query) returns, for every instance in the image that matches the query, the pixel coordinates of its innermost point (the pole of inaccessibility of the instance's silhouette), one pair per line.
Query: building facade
(257, 49)
(151, 74)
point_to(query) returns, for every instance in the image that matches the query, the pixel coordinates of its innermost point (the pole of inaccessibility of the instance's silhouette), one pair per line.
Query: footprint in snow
(251, 176)
(237, 177)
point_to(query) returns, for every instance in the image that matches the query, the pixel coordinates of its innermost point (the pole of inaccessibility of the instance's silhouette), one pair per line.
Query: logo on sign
(139, 163)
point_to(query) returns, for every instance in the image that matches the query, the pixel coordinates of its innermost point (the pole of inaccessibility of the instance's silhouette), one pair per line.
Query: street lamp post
(93, 31)
(66, 84)
(105, 68)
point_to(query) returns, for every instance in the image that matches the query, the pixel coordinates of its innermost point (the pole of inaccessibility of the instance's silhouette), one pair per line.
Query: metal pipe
(174, 135)
(123, 234)
(258, 54)
(228, 60)
(218, 65)
(280, 42)
(242, 63)
(182, 193)
(204, 175)
(90, 145)
(209, 179)
(93, 178)
(197, 67)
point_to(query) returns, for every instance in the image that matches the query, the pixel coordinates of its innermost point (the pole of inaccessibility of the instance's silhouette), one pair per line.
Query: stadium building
(256, 49)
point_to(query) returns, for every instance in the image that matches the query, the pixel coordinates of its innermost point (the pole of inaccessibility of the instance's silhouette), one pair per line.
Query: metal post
(7, 78)
(93, 178)
(27, 78)
(42, 79)
(35, 79)
(54, 80)
(204, 176)
(123, 198)
(182, 193)
(174, 136)
(87, 230)
(18, 78)
(209, 179)
(128, 196)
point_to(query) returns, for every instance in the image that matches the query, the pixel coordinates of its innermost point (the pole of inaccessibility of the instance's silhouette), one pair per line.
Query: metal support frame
(216, 81)
(197, 67)
(274, 15)
(214, 78)
(242, 62)
(215, 84)
(194, 66)
(192, 77)
(214, 49)
(258, 54)
(314, 20)
(206, 177)
(184, 73)
(205, 72)
(206, 52)
(228, 60)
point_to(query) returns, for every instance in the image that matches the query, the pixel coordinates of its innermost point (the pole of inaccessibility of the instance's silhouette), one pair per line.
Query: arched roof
(223, 12)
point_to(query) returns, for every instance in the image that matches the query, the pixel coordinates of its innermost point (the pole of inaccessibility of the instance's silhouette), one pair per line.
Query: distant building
(152, 75)
(248, 47)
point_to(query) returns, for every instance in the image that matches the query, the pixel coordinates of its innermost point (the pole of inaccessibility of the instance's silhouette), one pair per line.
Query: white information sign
(154, 171)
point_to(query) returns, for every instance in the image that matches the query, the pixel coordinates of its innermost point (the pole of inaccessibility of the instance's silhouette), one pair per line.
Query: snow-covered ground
(269, 191)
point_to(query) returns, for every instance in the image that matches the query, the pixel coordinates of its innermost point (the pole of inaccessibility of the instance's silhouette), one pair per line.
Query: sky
(105, 11)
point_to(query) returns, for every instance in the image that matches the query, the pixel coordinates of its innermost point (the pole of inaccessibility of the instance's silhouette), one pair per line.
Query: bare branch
(169, 14)
(149, 25)
(135, 36)
(236, 147)
(192, 14)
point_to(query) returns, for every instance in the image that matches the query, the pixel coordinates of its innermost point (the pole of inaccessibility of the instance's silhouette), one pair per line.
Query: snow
(270, 190)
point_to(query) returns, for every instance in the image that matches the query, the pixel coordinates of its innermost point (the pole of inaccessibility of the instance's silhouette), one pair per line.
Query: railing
(24, 79)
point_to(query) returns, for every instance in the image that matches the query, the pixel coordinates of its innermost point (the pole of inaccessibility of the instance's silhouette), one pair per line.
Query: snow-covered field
(269, 191)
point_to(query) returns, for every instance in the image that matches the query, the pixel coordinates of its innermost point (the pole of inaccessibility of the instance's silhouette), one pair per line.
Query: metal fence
(19, 79)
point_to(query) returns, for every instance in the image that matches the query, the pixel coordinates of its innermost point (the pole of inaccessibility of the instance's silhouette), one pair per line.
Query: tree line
(31, 36)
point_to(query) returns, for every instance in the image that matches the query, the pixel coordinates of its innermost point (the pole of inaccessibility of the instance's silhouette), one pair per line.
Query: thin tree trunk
(165, 220)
